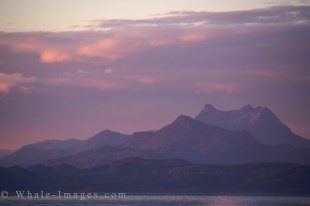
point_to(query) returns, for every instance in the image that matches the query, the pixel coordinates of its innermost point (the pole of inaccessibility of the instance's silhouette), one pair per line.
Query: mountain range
(248, 135)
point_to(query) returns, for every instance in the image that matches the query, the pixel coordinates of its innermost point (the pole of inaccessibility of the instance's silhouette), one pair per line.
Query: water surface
(169, 200)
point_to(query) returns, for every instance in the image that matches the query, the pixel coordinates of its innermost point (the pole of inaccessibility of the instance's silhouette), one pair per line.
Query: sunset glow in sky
(70, 68)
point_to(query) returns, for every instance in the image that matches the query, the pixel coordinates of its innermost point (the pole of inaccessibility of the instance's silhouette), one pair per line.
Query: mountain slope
(4, 153)
(97, 157)
(195, 141)
(261, 122)
(105, 138)
(37, 152)
(51, 149)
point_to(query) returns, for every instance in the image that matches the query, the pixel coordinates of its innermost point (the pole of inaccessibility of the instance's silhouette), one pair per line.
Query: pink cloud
(97, 83)
(285, 75)
(26, 89)
(9, 81)
(52, 56)
(112, 82)
(122, 42)
(130, 40)
(110, 45)
(147, 80)
(194, 36)
(48, 52)
(142, 79)
(161, 42)
(218, 87)
(107, 48)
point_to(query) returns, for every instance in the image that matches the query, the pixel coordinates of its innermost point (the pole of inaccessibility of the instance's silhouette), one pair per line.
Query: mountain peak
(183, 122)
(247, 107)
(209, 107)
(106, 138)
(260, 121)
(183, 118)
(107, 132)
(266, 114)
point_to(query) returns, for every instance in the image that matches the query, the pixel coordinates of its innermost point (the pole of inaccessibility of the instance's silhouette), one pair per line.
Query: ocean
(167, 200)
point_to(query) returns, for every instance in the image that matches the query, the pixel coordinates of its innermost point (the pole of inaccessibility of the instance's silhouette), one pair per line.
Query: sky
(71, 68)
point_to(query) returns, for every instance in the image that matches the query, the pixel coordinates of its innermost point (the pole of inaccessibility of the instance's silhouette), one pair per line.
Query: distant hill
(100, 156)
(261, 122)
(4, 153)
(133, 175)
(51, 149)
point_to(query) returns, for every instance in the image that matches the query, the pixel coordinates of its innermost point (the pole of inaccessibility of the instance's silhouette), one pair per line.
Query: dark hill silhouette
(135, 175)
